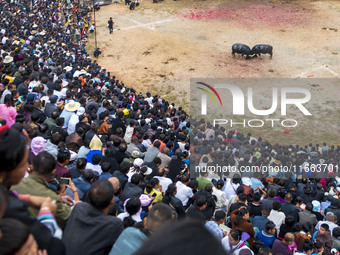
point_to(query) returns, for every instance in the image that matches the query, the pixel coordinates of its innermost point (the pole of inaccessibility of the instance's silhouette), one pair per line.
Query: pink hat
(145, 200)
(37, 145)
(323, 181)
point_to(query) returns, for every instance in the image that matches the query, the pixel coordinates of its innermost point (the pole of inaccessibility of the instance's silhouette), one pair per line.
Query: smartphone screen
(65, 180)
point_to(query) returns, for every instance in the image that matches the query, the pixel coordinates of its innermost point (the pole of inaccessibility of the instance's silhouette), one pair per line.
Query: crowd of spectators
(89, 166)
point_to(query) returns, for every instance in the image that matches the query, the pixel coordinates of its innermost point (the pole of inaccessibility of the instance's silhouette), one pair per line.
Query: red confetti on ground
(264, 13)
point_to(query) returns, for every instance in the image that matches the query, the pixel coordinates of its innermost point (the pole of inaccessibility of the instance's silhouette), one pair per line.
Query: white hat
(42, 33)
(72, 106)
(80, 111)
(82, 71)
(138, 162)
(35, 25)
(146, 170)
(246, 181)
(8, 59)
(68, 68)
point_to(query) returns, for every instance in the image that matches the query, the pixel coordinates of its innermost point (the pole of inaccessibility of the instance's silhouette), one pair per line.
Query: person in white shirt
(329, 220)
(71, 128)
(276, 216)
(220, 195)
(94, 166)
(132, 208)
(163, 180)
(231, 185)
(184, 193)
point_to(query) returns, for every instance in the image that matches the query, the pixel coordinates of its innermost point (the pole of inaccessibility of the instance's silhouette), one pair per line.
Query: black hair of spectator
(88, 174)
(14, 235)
(100, 194)
(81, 163)
(44, 164)
(96, 158)
(12, 150)
(136, 179)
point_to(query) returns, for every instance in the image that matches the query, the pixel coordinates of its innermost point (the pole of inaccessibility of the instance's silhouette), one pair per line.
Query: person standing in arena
(110, 25)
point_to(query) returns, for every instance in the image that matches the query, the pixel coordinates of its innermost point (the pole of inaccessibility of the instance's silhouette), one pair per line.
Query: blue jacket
(83, 186)
(265, 238)
(130, 240)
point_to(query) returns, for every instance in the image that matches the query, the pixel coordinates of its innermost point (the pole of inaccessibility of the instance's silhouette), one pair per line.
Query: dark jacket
(116, 123)
(130, 190)
(90, 231)
(176, 204)
(123, 179)
(49, 108)
(280, 247)
(209, 210)
(260, 222)
(289, 209)
(82, 185)
(22, 89)
(255, 210)
(59, 130)
(195, 213)
(41, 115)
(268, 203)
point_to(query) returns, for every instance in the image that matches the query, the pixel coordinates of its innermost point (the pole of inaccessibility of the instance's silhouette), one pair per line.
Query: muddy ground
(159, 47)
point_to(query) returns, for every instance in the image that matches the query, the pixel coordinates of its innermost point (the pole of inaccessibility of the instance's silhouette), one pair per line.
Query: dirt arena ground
(159, 47)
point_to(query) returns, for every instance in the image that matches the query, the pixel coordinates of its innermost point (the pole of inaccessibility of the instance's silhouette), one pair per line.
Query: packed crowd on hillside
(89, 166)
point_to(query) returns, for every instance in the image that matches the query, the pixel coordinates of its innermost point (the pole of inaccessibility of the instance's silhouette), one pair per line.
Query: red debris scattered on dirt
(264, 13)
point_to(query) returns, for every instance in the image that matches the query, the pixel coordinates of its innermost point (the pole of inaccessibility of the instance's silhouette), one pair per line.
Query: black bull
(257, 50)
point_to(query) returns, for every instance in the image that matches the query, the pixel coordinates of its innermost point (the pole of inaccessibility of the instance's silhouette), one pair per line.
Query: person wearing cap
(74, 120)
(37, 145)
(134, 156)
(51, 106)
(68, 111)
(95, 148)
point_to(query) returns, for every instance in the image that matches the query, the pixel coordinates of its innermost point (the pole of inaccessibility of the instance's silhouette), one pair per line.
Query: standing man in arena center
(110, 25)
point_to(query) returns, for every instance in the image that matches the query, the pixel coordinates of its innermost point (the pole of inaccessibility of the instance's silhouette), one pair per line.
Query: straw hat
(82, 71)
(68, 68)
(72, 106)
(8, 59)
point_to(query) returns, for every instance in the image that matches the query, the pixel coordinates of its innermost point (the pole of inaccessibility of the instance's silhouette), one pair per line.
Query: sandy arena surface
(159, 47)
